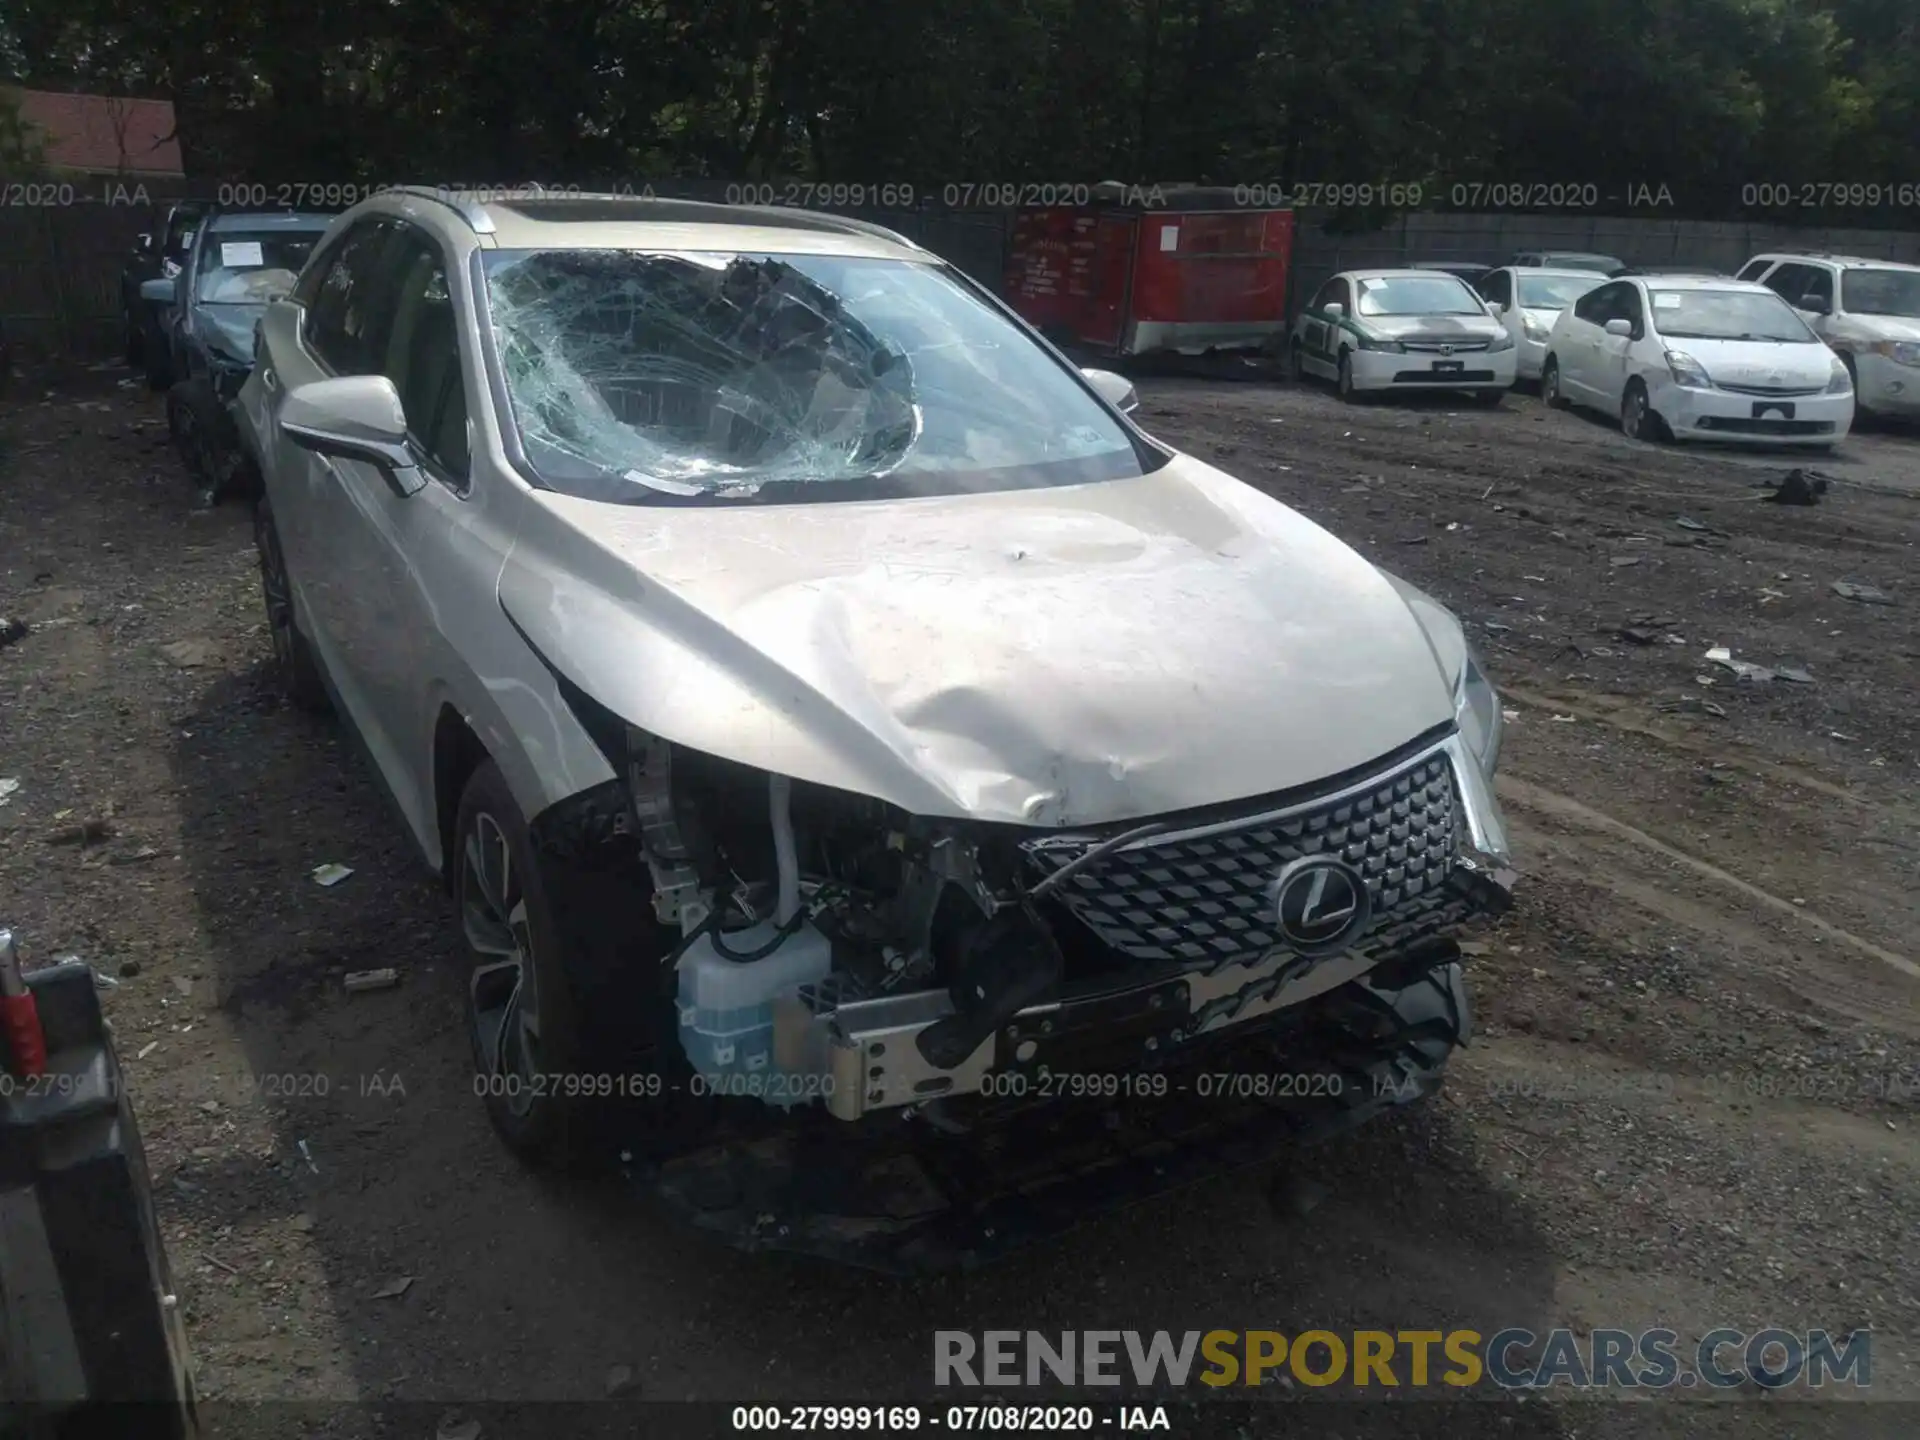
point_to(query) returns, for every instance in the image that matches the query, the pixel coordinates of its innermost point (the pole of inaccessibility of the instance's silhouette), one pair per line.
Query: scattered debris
(210, 1107)
(7, 789)
(1865, 594)
(1562, 719)
(87, 832)
(129, 969)
(104, 981)
(147, 1049)
(135, 857)
(1694, 704)
(1798, 677)
(394, 1288)
(217, 1262)
(1619, 561)
(1509, 716)
(12, 629)
(359, 980)
(307, 1155)
(189, 654)
(1796, 487)
(330, 874)
(302, 1222)
(1495, 627)
(1414, 540)
(1686, 524)
(184, 986)
(620, 1380)
(452, 1427)
(1743, 669)
(1637, 634)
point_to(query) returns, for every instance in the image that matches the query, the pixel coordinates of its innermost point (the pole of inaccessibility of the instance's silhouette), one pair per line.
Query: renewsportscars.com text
(1512, 1359)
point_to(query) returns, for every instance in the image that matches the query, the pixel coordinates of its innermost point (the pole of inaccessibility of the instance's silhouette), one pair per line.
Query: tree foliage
(1696, 95)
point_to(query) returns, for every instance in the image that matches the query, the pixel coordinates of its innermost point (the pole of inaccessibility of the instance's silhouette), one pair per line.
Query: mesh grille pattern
(1205, 900)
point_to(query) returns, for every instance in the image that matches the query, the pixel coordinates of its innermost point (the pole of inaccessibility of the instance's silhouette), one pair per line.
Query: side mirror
(1333, 309)
(354, 417)
(1617, 326)
(157, 292)
(1498, 307)
(1813, 304)
(1116, 390)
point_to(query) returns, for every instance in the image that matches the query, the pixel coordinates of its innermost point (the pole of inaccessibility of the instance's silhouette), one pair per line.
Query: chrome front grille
(1446, 347)
(1200, 895)
(1774, 390)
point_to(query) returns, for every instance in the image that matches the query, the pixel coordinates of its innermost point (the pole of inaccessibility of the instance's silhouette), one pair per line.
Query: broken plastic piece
(330, 874)
(384, 979)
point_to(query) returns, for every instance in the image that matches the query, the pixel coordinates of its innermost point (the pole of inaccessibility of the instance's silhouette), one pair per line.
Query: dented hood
(1065, 656)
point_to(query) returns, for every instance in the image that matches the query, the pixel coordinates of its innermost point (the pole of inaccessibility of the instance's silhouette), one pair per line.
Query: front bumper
(1420, 370)
(1819, 419)
(917, 1197)
(1529, 358)
(1887, 387)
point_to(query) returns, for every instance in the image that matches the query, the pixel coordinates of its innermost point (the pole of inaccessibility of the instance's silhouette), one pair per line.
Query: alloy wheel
(505, 987)
(1633, 414)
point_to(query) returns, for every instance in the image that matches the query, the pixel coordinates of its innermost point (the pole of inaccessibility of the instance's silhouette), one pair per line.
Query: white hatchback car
(1695, 358)
(1527, 301)
(1375, 330)
(1867, 310)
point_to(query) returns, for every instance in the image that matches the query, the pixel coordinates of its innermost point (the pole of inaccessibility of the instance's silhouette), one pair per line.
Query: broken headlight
(1476, 709)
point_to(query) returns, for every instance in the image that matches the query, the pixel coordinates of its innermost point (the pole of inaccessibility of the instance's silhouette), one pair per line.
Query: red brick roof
(104, 132)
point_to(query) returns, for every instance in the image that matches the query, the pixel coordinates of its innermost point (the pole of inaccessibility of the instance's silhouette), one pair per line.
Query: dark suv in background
(157, 254)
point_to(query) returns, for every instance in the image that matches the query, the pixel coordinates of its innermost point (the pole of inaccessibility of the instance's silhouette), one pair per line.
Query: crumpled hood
(1050, 657)
(229, 328)
(1884, 327)
(1440, 327)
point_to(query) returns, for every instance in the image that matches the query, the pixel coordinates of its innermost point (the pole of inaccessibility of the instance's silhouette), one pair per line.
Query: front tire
(1343, 385)
(1296, 363)
(299, 672)
(1637, 420)
(1550, 392)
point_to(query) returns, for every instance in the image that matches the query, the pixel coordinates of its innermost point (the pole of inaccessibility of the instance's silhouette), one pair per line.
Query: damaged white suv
(845, 733)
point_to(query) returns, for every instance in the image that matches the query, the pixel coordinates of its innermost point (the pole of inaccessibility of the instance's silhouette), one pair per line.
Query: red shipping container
(1190, 275)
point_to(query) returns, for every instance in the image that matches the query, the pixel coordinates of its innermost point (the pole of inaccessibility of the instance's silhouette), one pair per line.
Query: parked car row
(1789, 351)
(197, 316)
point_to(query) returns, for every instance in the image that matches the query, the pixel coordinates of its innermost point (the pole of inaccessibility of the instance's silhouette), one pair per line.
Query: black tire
(193, 420)
(1343, 385)
(1637, 420)
(1297, 363)
(159, 364)
(1550, 392)
(300, 680)
(1860, 412)
(545, 1003)
(136, 345)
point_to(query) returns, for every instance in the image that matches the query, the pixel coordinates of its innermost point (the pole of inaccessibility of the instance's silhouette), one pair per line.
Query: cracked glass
(719, 378)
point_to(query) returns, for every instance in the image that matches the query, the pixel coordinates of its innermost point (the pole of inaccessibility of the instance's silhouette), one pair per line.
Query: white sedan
(1378, 330)
(1691, 358)
(1528, 301)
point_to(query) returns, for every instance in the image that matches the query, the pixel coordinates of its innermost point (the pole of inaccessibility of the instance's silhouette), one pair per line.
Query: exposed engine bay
(905, 960)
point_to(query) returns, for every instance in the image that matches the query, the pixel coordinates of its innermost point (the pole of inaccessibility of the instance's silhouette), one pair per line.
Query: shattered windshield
(1881, 292)
(242, 269)
(704, 376)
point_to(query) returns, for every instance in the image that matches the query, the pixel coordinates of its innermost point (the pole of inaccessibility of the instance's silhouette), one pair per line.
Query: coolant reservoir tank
(726, 1006)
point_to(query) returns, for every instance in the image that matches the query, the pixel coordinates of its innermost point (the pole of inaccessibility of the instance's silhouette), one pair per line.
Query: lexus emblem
(1320, 904)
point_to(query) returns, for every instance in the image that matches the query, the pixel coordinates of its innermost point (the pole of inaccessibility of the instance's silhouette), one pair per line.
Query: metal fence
(60, 264)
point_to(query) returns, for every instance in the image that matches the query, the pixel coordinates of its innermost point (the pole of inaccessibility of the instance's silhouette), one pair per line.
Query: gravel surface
(1692, 1100)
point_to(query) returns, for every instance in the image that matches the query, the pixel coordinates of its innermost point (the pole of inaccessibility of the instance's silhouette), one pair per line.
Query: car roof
(267, 221)
(1559, 272)
(1844, 261)
(1405, 273)
(575, 221)
(1697, 282)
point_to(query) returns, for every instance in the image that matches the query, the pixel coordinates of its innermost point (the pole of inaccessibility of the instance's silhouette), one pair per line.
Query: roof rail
(476, 216)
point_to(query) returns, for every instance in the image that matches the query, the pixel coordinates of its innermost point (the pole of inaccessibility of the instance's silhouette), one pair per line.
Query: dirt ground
(1692, 1100)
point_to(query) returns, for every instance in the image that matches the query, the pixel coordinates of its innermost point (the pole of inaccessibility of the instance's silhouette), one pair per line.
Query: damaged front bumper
(919, 1196)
